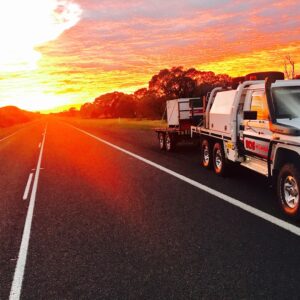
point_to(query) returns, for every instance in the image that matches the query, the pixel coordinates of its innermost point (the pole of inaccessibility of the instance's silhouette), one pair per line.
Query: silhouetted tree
(150, 102)
(86, 110)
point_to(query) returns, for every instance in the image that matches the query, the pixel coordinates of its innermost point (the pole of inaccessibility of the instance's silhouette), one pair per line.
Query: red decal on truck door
(250, 145)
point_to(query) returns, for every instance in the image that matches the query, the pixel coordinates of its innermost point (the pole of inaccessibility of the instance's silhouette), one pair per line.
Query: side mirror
(250, 115)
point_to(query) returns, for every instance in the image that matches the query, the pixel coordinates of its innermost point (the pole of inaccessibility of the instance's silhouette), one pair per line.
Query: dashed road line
(250, 209)
(16, 286)
(28, 185)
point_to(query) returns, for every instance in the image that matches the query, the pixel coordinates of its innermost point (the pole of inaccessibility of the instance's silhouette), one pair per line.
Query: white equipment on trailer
(181, 115)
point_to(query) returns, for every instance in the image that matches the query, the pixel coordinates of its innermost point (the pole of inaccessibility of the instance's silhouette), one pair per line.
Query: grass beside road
(117, 123)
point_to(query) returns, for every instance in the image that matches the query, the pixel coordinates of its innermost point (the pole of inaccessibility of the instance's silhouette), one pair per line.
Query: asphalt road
(107, 225)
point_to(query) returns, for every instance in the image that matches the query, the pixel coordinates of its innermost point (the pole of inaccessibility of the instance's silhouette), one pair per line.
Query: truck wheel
(219, 160)
(288, 184)
(161, 140)
(205, 153)
(169, 142)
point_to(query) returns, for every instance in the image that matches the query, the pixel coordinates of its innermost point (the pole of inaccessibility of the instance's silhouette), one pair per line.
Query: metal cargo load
(184, 112)
(220, 114)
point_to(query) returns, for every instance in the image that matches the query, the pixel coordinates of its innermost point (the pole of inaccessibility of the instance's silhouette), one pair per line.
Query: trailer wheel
(205, 153)
(219, 160)
(169, 142)
(161, 140)
(288, 187)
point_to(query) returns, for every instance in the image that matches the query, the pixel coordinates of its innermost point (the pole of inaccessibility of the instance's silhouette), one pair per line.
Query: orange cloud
(119, 45)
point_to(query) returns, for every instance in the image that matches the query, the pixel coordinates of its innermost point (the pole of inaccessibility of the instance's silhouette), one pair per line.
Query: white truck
(256, 126)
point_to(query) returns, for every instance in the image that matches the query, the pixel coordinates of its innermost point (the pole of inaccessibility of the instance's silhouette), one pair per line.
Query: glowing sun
(27, 24)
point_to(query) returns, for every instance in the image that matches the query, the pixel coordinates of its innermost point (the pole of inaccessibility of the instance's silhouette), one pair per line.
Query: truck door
(257, 134)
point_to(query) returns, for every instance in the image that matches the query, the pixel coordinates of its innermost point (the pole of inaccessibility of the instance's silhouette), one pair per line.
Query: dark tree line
(150, 102)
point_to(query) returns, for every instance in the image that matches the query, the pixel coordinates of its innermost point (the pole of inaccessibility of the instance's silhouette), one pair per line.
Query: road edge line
(16, 286)
(248, 208)
(7, 137)
(18, 130)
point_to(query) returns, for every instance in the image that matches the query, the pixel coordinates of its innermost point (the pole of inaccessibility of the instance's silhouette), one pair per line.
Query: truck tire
(169, 142)
(288, 187)
(161, 140)
(205, 154)
(219, 159)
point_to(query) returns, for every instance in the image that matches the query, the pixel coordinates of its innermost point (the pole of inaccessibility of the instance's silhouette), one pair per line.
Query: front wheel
(288, 183)
(219, 159)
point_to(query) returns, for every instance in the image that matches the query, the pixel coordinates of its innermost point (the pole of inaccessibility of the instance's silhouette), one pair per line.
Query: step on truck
(257, 126)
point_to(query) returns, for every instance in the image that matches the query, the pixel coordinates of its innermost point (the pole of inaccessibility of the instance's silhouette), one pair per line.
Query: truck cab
(274, 137)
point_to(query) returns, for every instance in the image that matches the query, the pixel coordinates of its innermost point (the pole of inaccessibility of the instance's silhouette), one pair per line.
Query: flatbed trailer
(169, 137)
(181, 115)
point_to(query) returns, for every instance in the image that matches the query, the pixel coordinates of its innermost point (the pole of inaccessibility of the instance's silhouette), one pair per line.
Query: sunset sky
(54, 53)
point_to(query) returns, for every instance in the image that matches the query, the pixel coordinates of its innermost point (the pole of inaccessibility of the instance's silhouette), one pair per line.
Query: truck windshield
(287, 102)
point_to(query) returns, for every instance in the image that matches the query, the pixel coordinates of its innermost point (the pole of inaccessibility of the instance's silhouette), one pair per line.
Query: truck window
(287, 102)
(259, 104)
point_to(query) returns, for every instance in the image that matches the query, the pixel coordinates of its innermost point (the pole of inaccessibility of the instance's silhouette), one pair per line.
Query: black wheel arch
(284, 156)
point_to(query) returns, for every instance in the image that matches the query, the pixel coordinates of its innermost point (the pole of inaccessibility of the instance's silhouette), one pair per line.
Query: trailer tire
(170, 142)
(161, 140)
(288, 187)
(205, 154)
(219, 159)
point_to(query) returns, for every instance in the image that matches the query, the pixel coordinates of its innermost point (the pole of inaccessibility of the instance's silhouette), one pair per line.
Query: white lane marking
(252, 210)
(7, 137)
(30, 124)
(16, 286)
(26, 192)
